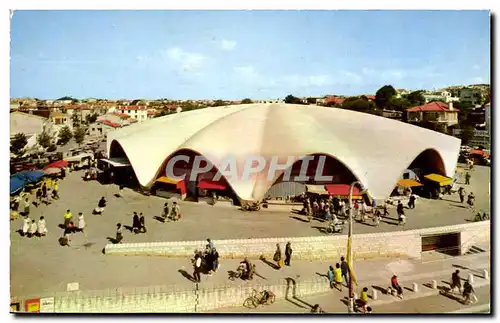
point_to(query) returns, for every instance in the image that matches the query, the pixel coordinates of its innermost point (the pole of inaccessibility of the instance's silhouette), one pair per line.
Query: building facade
(439, 114)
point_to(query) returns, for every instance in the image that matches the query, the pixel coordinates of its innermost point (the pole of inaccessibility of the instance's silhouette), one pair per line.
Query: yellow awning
(167, 180)
(316, 189)
(409, 183)
(442, 180)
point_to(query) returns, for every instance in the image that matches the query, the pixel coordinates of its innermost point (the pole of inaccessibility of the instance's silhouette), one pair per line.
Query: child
(119, 233)
(32, 229)
(42, 227)
(81, 222)
(337, 272)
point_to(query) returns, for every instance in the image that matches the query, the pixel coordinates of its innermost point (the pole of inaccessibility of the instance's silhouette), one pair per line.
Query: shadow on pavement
(187, 275)
(297, 218)
(291, 284)
(270, 264)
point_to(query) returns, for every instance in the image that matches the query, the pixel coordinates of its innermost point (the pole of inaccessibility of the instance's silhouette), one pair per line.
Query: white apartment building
(470, 96)
(444, 96)
(140, 113)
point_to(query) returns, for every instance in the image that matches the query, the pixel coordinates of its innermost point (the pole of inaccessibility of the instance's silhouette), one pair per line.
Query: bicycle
(259, 298)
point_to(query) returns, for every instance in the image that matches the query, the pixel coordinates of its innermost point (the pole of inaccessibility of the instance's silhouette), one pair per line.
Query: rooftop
(435, 106)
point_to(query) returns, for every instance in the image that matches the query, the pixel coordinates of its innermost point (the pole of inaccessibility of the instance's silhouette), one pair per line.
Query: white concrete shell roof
(377, 150)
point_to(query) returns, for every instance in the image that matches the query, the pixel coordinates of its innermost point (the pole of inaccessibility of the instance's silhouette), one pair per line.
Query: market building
(345, 145)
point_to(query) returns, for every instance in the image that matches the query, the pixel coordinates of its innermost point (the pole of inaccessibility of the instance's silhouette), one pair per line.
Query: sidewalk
(426, 300)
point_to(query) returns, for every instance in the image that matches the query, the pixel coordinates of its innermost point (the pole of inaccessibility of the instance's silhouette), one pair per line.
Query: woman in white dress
(32, 229)
(42, 227)
(81, 222)
(26, 226)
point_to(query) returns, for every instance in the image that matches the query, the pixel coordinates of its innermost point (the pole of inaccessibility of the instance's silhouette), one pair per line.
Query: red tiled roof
(369, 96)
(132, 107)
(435, 106)
(333, 99)
(109, 123)
(121, 115)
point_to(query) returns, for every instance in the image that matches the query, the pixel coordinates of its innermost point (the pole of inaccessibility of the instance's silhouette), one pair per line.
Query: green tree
(18, 143)
(246, 101)
(91, 118)
(398, 104)
(290, 99)
(358, 104)
(44, 139)
(219, 103)
(64, 98)
(467, 134)
(415, 98)
(383, 95)
(79, 135)
(75, 119)
(65, 135)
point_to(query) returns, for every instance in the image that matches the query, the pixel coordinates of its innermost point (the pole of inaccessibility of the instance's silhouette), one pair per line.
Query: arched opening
(197, 186)
(115, 172)
(294, 185)
(413, 178)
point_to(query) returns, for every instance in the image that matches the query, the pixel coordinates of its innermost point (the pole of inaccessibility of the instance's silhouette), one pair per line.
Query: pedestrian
(63, 173)
(331, 277)
(38, 196)
(66, 238)
(461, 194)
(32, 229)
(120, 190)
(136, 223)
(197, 267)
(142, 222)
(467, 178)
(26, 207)
(456, 281)
(42, 227)
(26, 226)
(211, 245)
(386, 209)
(395, 285)
(337, 273)
(288, 253)
(166, 211)
(345, 270)
(363, 299)
(44, 193)
(55, 191)
(400, 208)
(176, 211)
(468, 293)
(15, 203)
(470, 200)
(277, 255)
(411, 202)
(67, 218)
(119, 233)
(215, 260)
(81, 222)
(101, 205)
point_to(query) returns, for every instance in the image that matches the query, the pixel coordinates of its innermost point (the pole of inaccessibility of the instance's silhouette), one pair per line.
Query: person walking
(27, 204)
(166, 211)
(461, 194)
(197, 267)
(411, 202)
(55, 191)
(331, 277)
(44, 193)
(67, 218)
(42, 227)
(81, 222)
(337, 272)
(215, 260)
(32, 229)
(142, 222)
(363, 299)
(210, 245)
(468, 293)
(101, 205)
(467, 178)
(277, 255)
(136, 224)
(395, 285)
(345, 270)
(470, 200)
(456, 281)
(288, 253)
(26, 226)
(176, 211)
(119, 233)
(38, 196)
(386, 209)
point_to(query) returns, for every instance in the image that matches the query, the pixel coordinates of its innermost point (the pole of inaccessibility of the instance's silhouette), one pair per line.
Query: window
(128, 111)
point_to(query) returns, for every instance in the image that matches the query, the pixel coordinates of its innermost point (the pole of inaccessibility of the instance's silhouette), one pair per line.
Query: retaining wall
(365, 246)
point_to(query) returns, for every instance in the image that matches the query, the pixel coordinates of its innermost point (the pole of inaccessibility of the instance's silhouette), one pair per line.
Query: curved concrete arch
(376, 150)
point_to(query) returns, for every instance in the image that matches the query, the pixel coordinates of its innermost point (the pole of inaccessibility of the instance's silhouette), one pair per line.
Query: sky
(243, 54)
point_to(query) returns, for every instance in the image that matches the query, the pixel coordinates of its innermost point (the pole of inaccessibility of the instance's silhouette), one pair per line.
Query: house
(444, 96)
(439, 114)
(470, 96)
(140, 113)
(31, 125)
(333, 100)
(59, 118)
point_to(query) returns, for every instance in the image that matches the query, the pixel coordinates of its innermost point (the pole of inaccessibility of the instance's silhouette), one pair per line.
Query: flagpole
(350, 304)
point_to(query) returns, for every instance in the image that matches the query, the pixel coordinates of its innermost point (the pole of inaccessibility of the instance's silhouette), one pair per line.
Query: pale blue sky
(238, 54)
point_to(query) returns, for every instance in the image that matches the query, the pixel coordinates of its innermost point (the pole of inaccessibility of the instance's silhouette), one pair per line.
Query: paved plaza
(43, 265)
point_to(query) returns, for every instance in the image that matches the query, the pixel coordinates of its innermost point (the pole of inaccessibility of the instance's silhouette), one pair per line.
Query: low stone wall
(365, 246)
(192, 300)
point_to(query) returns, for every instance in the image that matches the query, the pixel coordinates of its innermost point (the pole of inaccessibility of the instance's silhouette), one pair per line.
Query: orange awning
(409, 183)
(168, 180)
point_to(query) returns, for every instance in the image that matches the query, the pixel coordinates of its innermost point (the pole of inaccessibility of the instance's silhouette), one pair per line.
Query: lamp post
(350, 304)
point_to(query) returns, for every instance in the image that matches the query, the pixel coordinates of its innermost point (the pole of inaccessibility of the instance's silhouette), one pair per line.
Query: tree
(64, 98)
(65, 135)
(398, 104)
(467, 135)
(290, 99)
(383, 95)
(44, 139)
(18, 143)
(75, 119)
(218, 103)
(91, 118)
(358, 104)
(416, 98)
(79, 135)
(246, 101)
(311, 100)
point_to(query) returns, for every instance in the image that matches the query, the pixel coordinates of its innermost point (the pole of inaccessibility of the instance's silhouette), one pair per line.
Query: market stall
(169, 187)
(316, 189)
(341, 191)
